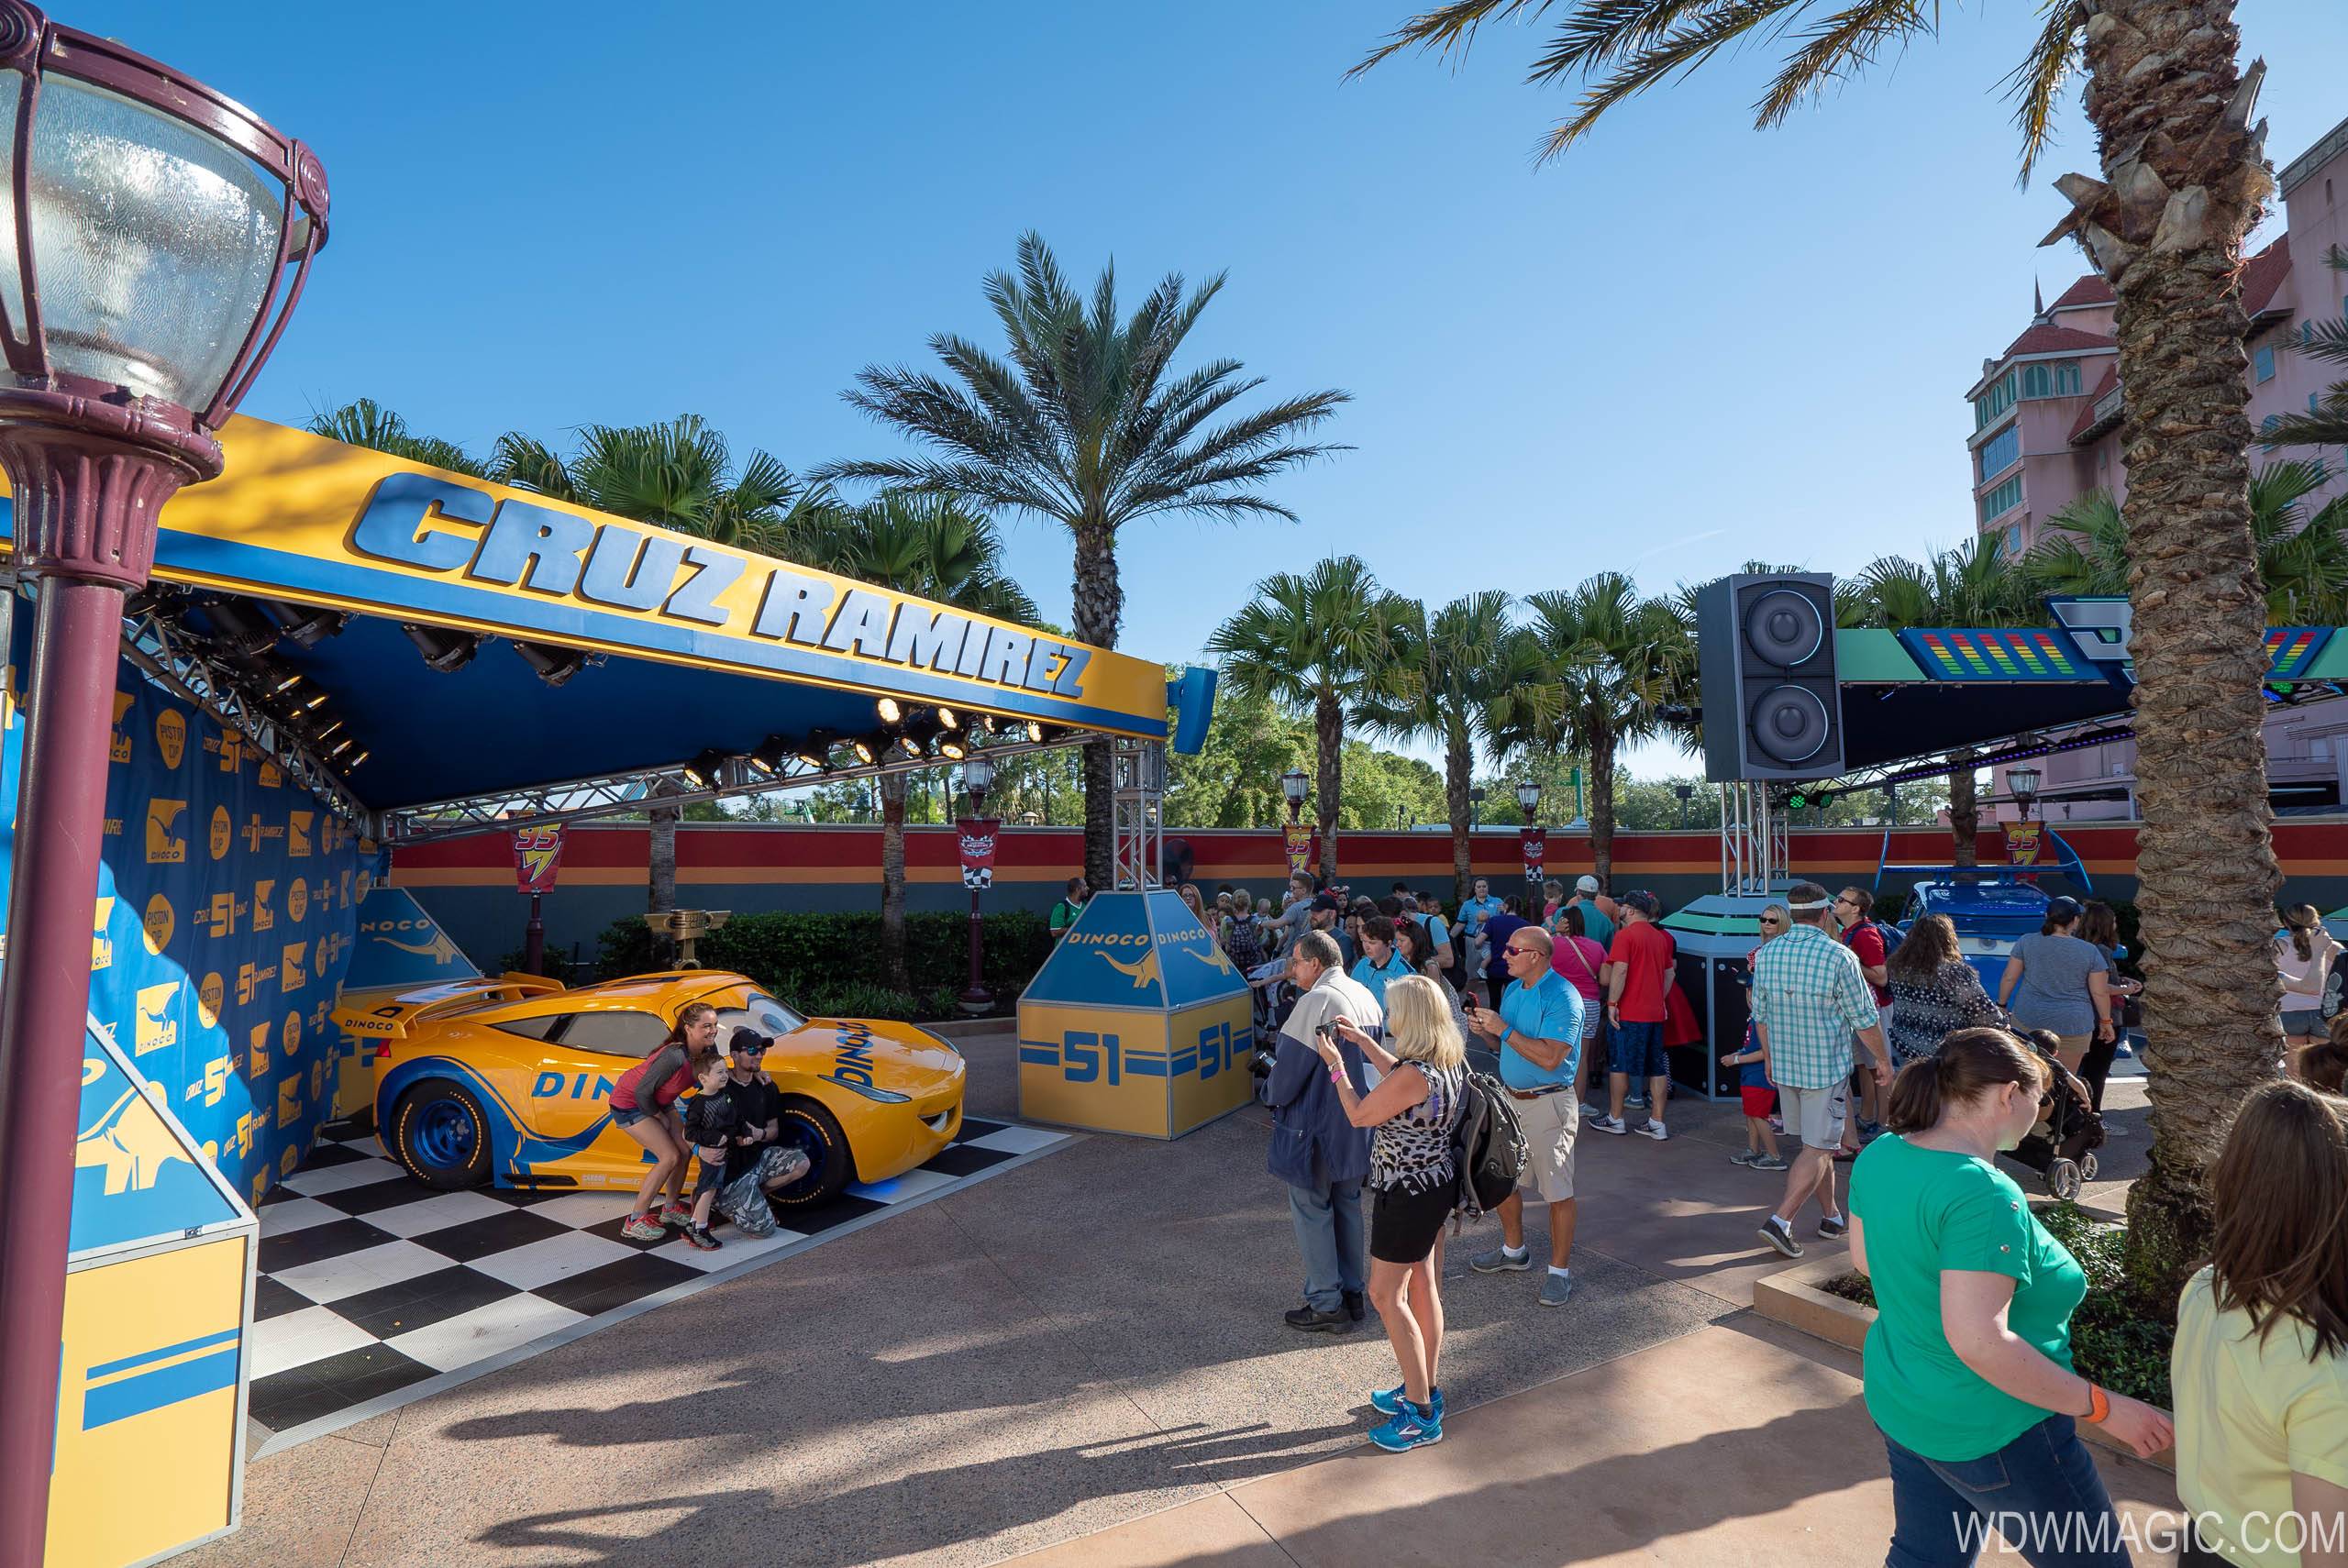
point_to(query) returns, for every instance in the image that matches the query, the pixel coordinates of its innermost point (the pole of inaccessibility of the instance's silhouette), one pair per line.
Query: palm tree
(679, 475)
(1611, 666)
(1973, 584)
(366, 423)
(932, 548)
(1321, 643)
(1087, 425)
(1458, 662)
(2184, 172)
(2302, 560)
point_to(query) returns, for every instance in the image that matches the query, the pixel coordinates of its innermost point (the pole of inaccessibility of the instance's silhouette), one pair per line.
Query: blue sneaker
(1389, 1402)
(1408, 1430)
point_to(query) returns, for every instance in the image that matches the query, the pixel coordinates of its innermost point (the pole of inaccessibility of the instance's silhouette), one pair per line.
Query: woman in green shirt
(1968, 1366)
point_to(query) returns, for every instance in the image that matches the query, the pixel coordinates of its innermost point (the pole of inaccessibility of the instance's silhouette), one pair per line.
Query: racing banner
(1535, 841)
(1299, 845)
(537, 856)
(977, 834)
(2023, 843)
(226, 910)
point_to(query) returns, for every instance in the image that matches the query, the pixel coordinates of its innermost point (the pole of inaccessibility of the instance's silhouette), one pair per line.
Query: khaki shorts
(1549, 1123)
(1815, 1114)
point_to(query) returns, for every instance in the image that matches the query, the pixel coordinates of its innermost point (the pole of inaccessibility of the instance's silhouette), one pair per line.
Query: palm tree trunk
(1601, 804)
(1329, 741)
(2161, 92)
(1458, 765)
(892, 883)
(1098, 605)
(1964, 812)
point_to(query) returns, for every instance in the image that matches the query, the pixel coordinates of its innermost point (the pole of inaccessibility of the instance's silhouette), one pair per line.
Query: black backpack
(1487, 1145)
(1892, 937)
(1243, 942)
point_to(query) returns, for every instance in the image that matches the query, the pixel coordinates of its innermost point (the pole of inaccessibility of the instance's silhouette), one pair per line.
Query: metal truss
(634, 792)
(1755, 855)
(2043, 742)
(1137, 816)
(190, 667)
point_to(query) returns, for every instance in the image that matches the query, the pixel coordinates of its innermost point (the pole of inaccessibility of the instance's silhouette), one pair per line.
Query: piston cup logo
(297, 899)
(170, 736)
(290, 1035)
(223, 832)
(158, 922)
(209, 995)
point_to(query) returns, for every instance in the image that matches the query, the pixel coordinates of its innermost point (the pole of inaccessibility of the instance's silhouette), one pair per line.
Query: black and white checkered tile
(374, 1286)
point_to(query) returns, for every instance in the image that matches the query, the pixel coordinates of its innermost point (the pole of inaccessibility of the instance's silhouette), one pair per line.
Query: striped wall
(468, 883)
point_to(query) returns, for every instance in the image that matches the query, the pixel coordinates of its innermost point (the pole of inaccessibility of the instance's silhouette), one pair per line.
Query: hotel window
(2013, 539)
(2267, 428)
(2000, 452)
(1995, 402)
(2037, 381)
(2066, 378)
(2003, 500)
(2263, 361)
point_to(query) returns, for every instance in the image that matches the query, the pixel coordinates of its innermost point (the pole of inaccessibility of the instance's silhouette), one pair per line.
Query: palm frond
(2036, 82)
(1447, 28)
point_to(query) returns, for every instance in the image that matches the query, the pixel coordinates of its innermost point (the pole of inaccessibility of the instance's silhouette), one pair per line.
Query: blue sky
(1684, 345)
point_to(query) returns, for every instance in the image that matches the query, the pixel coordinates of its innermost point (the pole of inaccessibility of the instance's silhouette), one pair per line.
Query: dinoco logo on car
(852, 1065)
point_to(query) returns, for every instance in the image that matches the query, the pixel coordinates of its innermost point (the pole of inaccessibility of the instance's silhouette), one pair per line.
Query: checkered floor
(374, 1286)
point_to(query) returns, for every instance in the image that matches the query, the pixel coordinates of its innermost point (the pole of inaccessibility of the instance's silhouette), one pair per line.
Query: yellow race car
(508, 1080)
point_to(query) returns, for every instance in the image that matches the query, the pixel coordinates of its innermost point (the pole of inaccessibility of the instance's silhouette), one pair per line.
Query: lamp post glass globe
(1528, 798)
(159, 224)
(1293, 787)
(977, 778)
(2022, 784)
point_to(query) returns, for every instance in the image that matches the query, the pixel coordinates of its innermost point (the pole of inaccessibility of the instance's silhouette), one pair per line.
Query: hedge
(831, 963)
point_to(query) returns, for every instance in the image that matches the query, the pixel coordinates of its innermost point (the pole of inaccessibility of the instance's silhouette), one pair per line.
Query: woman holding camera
(1415, 1183)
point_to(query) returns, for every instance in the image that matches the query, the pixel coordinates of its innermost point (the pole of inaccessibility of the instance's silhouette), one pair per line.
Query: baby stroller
(2061, 1147)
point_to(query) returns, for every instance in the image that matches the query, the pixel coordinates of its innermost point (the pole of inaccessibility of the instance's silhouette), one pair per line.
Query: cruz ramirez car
(509, 1080)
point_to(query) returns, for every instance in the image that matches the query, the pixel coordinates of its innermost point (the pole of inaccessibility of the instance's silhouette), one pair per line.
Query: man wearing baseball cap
(758, 1165)
(1596, 923)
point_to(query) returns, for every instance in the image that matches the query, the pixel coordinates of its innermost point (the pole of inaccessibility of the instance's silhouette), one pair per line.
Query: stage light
(910, 747)
(815, 751)
(242, 631)
(706, 769)
(355, 761)
(1034, 730)
(321, 734)
(316, 702)
(446, 652)
(276, 679)
(307, 625)
(554, 665)
(890, 710)
(863, 750)
(948, 719)
(346, 744)
(952, 750)
(769, 755)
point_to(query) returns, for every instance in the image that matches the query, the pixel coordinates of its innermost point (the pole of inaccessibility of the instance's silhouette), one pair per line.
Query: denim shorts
(1636, 1050)
(623, 1117)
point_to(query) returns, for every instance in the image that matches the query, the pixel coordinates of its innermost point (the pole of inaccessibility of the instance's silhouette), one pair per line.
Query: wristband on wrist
(1336, 1077)
(2098, 1406)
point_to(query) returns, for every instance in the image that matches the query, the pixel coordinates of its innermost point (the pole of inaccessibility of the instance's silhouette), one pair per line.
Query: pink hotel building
(2046, 431)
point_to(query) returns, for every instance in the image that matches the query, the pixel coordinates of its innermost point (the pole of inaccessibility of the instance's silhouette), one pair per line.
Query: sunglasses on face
(1513, 951)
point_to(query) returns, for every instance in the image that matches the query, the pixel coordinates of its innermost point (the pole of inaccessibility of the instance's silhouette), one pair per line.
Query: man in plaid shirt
(1810, 999)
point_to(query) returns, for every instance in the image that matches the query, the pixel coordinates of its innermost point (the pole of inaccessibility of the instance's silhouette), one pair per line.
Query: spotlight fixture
(890, 710)
(444, 651)
(910, 747)
(769, 755)
(307, 625)
(326, 731)
(314, 699)
(706, 769)
(554, 665)
(951, 749)
(862, 748)
(240, 629)
(275, 678)
(363, 755)
(1033, 731)
(815, 751)
(341, 746)
(948, 719)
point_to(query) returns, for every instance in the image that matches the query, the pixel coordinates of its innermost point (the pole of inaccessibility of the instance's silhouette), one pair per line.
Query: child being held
(713, 1125)
(1755, 1090)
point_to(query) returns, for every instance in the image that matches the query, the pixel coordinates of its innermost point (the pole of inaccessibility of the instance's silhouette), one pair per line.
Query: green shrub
(802, 957)
(2110, 1344)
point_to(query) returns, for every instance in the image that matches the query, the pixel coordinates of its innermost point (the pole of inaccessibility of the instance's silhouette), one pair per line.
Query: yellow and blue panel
(1999, 654)
(148, 1410)
(1136, 1023)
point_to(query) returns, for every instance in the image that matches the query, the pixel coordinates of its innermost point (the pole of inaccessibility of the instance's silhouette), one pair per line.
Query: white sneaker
(1651, 1129)
(1609, 1124)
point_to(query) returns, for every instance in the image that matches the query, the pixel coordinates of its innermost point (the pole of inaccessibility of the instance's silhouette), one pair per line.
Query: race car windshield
(765, 1014)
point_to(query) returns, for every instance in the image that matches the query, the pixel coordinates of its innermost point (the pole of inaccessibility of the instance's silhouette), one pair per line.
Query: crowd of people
(1868, 1046)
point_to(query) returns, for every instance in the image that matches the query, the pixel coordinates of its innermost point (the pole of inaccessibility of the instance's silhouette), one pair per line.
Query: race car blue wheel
(437, 1132)
(808, 1126)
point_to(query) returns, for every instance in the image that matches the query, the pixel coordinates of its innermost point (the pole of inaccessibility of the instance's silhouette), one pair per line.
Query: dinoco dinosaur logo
(170, 736)
(157, 1029)
(118, 739)
(128, 1143)
(165, 844)
(257, 1052)
(297, 834)
(1143, 971)
(101, 945)
(263, 919)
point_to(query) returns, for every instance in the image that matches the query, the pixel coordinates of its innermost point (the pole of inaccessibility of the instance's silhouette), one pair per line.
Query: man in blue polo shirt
(1379, 962)
(1538, 1031)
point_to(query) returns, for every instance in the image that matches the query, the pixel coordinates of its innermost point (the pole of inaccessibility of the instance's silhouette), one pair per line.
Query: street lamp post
(977, 777)
(153, 225)
(2022, 784)
(1528, 800)
(1294, 787)
(1686, 792)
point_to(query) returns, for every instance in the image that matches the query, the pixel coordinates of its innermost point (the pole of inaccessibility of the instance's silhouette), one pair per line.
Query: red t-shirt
(628, 1093)
(1645, 949)
(1867, 942)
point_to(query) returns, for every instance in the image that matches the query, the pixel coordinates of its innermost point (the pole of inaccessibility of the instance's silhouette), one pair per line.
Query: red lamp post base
(975, 998)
